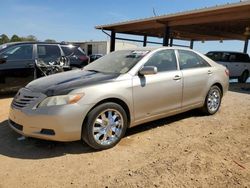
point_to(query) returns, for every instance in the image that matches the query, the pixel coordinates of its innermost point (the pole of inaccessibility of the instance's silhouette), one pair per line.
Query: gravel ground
(187, 150)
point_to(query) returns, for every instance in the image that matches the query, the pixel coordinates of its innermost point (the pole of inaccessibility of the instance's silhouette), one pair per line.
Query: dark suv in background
(18, 61)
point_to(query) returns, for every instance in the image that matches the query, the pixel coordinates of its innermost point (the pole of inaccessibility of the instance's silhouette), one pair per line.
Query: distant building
(103, 47)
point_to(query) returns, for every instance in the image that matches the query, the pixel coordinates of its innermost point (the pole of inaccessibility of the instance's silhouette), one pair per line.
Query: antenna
(154, 12)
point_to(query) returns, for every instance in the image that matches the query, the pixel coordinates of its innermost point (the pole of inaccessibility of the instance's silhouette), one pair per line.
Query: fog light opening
(47, 131)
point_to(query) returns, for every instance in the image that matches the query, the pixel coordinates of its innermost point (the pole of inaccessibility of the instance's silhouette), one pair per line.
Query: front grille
(23, 98)
(16, 125)
(23, 101)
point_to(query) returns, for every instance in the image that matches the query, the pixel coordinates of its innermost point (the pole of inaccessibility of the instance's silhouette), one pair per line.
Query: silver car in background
(120, 90)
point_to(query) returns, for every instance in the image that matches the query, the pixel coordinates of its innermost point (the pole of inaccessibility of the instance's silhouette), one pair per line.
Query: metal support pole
(246, 45)
(112, 41)
(144, 41)
(166, 36)
(191, 44)
(171, 41)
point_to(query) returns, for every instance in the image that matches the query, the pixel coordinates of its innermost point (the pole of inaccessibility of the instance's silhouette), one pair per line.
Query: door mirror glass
(147, 70)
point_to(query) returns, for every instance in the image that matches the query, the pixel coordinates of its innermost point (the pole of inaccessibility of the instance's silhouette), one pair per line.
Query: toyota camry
(120, 90)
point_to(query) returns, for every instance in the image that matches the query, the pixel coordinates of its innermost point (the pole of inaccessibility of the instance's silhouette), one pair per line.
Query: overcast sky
(65, 20)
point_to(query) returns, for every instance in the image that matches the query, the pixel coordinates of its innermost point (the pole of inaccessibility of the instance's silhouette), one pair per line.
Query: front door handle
(176, 77)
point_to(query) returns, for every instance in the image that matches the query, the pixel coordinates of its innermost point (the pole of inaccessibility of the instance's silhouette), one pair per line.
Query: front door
(159, 93)
(18, 70)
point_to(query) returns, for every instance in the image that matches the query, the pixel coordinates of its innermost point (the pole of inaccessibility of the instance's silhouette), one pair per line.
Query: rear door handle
(209, 72)
(177, 77)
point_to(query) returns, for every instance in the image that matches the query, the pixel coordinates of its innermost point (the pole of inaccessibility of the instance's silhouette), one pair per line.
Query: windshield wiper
(92, 70)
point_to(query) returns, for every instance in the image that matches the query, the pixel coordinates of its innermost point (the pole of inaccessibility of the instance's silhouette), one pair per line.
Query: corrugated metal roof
(173, 15)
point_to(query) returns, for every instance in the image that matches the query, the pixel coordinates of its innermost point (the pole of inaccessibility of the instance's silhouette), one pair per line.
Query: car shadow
(162, 122)
(7, 95)
(12, 146)
(240, 87)
(31, 148)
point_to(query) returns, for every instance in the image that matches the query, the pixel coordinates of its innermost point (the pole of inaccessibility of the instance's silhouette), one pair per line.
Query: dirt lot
(187, 150)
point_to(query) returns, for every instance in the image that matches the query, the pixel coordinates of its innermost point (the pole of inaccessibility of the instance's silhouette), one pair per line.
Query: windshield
(117, 62)
(3, 46)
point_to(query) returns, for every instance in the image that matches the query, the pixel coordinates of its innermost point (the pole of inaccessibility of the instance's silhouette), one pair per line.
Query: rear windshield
(228, 57)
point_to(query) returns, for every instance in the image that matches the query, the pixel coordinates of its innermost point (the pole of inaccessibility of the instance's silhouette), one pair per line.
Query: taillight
(227, 72)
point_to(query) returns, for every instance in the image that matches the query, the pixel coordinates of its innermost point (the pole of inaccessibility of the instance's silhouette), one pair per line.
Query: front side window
(20, 52)
(189, 60)
(164, 60)
(48, 53)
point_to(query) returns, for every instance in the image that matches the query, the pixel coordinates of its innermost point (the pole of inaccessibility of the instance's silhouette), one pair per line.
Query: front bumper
(58, 123)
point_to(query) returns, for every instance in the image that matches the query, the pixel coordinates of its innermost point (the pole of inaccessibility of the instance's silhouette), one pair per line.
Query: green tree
(29, 38)
(15, 38)
(50, 41)
(4, 39)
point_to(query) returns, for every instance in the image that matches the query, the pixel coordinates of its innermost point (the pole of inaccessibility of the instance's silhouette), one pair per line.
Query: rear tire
(104, 126)
(212, 101)
(243, 78)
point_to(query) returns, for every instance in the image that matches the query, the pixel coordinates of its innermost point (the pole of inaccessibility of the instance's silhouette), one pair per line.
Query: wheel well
(117, 101)
(220, 86)
(246, 71)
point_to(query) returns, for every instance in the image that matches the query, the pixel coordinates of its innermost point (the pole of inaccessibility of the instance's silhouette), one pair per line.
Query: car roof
(157, 48)
(37, 42)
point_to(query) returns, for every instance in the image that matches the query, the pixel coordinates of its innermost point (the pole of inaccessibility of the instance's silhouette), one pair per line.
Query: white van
(237, 63)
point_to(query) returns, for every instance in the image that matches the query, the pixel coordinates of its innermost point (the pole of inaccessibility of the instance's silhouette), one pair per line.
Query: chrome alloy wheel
(213, 101)
(107, 128)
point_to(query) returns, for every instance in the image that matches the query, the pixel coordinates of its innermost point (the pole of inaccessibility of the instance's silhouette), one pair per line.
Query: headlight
(61, 100)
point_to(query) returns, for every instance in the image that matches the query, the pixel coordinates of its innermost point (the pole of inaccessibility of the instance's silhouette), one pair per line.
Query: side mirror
(3, 60)
(147, 70)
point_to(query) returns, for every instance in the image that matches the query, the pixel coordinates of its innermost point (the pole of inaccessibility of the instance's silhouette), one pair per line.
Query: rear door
(19, 67)
(196, 74)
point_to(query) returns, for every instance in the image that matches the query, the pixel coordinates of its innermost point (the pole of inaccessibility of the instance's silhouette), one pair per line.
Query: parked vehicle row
(120, 90)
(237, 63)
(23, 62)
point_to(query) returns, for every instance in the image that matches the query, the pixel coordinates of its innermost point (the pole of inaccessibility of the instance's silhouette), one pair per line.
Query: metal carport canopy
(225, 22)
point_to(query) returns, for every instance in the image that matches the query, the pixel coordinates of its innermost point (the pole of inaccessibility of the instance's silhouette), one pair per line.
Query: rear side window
(164, 60)
(189, 60)
(70, 51)
(48, 52)
(242, 58)
(20, 52)
(228, 57)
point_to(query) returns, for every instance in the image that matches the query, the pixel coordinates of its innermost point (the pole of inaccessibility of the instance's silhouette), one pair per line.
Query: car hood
(63, 83)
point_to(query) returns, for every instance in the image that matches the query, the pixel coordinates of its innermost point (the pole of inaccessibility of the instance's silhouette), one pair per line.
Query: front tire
(104, 126)
(212, 101)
